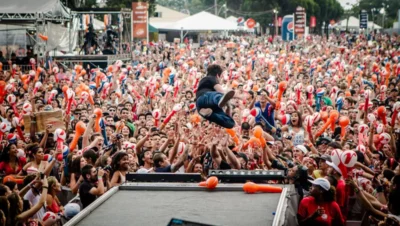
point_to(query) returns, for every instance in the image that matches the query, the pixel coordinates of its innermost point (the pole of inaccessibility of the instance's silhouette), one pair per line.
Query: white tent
(50, 8)
(354, 23)
(202, 21)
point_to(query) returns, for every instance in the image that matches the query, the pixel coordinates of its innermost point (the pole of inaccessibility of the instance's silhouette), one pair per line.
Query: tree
(178, 5)
(391, 7)
(74, 4)
(119, 4)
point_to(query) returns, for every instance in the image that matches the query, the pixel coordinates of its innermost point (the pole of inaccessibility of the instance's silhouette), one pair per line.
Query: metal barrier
(24, 67)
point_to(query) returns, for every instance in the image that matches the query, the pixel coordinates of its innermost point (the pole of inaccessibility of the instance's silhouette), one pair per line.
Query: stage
(101, 61)
(157, 203)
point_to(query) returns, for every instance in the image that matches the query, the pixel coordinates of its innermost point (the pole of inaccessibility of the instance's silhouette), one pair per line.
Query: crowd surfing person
(324, 110)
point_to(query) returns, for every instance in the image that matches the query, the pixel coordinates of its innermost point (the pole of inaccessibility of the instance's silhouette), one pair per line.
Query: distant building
(166, 15)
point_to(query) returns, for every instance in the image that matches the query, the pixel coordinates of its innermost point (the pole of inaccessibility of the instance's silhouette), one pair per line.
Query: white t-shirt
(143, 170)
(34, 199)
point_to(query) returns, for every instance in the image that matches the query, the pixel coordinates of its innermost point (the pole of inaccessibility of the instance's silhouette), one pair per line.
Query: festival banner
(280, 21)
(313, 21)
(300, 21)
(363, 19)
(139, 20)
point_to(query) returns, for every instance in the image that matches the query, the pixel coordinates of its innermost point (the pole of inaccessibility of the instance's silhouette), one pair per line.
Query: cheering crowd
(324, 110)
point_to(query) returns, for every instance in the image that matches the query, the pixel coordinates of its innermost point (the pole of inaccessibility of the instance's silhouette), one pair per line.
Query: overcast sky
(344, 5)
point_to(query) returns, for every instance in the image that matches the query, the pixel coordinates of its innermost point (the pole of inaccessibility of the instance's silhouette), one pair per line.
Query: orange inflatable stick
(252, 188)
(80, 128)
(99, 113)
(232, 133)
(38, 71)
(281, 88)
(12, 178)
(344, 121)
(349, 78)
(332, 119)
(382, 114)
(210, 183)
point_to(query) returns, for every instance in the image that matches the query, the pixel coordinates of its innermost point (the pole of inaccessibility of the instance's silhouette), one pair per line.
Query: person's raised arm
(88, 131)
(24, 190)
(34, 209)
(165, 144)
(189, 168)
(45, 136)
(253, 102)
(50, 166)
(268, 151)
(371, 139)
(32, 131)
(174, 150)
(140, 144)
(271, 101)
(100, 185)
(234, 162)
(181, 160)
(74, 184)
(266, 159)
(364, 167)
(364, 201)
(214, 152)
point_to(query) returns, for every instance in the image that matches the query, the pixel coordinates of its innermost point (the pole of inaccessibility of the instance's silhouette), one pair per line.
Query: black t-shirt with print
(84, 194)
(206, 84)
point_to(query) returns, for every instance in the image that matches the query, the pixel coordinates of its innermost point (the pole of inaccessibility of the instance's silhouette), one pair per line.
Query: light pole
(382, 11)
(373, 10)
(276, 21)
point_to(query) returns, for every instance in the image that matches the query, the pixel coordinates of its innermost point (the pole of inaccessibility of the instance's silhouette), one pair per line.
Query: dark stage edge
(156, 203)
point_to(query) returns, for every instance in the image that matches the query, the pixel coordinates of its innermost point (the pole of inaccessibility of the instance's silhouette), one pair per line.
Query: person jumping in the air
(211, 98)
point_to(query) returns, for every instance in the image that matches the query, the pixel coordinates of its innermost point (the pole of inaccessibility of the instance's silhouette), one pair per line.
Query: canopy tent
(202, 21)
(26, 10)
(354, 23)
(152, 29)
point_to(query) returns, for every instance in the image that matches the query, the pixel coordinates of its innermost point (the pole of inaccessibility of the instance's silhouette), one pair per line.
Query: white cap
(322, 182)
(302, 148)
(334, 166)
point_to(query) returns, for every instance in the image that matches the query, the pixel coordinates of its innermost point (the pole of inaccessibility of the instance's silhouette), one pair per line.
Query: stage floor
(155, 207)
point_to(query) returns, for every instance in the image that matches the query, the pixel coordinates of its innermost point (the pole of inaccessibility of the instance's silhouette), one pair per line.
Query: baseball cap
(323, 140)
(71, 209)
(334, 166)
(302, 148)
(327, 158)
(322, 182)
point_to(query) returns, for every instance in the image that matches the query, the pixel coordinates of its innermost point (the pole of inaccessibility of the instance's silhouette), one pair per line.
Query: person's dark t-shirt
(224, 166)
(167, 169)
(206, 84)
(84, 194)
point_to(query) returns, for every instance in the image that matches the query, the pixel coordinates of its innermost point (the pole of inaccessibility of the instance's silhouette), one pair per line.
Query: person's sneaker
(205, 112)
(226, 98)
